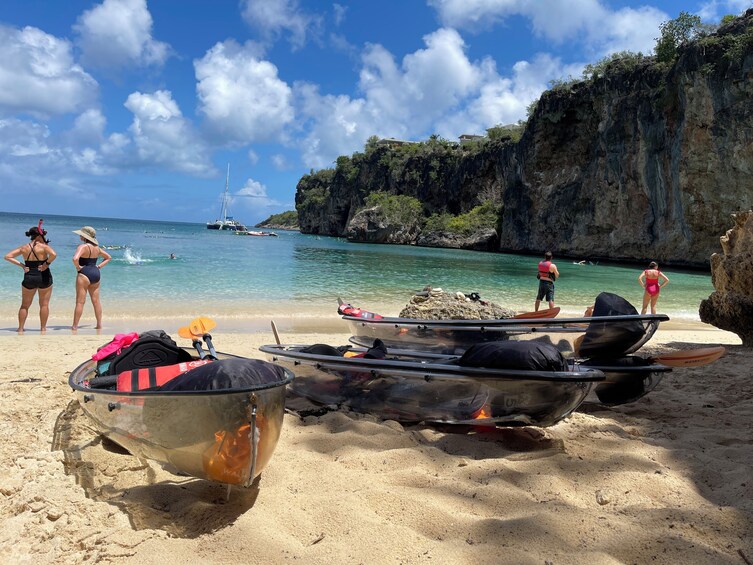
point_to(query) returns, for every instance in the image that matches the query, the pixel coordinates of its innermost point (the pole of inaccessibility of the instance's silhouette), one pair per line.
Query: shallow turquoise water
(219, 273)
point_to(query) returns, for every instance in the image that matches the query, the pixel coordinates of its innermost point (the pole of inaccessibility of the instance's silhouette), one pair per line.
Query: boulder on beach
(730, 306)
(435, 304)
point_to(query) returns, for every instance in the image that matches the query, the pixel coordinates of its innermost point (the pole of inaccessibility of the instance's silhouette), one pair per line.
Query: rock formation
(368, 226)
(438, 305)
(643, 161)
(730, 306)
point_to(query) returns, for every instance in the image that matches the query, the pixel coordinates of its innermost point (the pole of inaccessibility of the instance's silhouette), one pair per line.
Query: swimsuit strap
(31, 250)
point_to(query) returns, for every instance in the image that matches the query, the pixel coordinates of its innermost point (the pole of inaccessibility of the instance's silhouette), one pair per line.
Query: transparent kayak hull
(624, 384)
(413, 386)
(613, 336)
(227, 436)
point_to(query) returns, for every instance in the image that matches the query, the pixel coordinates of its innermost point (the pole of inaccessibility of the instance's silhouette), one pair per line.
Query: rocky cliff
(730, 306)
(645, 161)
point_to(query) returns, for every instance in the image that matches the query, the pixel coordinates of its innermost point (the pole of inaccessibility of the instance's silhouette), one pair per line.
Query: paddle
(547, 313)
(686, 358)
(200, 327)
(185, 332)
(691, 357)
(274, 331)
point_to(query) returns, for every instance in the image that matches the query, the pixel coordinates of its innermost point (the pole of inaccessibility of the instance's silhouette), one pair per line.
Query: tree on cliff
(675, 33)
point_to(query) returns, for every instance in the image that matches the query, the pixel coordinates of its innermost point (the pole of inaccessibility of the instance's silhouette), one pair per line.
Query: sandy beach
(666, 479)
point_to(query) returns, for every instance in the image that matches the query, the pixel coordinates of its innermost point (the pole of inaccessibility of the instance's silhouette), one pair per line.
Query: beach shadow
(182, 507)
(696, 415)
(480, 442)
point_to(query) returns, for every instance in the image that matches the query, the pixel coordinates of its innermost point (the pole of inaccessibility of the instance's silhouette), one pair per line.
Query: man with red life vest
(547, 274)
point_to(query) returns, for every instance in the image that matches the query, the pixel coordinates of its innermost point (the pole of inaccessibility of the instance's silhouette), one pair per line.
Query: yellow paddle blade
(201, 325)
(186, 333)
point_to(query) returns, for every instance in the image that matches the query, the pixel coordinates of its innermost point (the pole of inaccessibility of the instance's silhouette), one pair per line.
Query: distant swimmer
(581, 262)
(172, 256)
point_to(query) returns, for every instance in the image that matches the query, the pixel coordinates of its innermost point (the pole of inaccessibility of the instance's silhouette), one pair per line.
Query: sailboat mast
(224, 196)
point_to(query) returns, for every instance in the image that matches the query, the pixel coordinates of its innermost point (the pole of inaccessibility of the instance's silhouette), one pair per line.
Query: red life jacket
(149, 377)
(348, 310)
(544, 270)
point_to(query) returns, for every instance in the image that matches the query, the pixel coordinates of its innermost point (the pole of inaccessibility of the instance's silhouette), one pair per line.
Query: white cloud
(241, 95)
(253, 157)
(713, 10)
(433, 90)
(89, 128)
(253, 196)
(33, 163)
(399, 100)
(503, 100)
(163, 137)
(271, 18)
(590, 22)
(279, 161)
(38, 75)
(339, 13)
(118, 33)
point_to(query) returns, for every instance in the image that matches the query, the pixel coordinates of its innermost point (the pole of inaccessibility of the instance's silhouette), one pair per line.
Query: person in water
(87, 280)
(652, 279)
(547, 274)
(37, 255)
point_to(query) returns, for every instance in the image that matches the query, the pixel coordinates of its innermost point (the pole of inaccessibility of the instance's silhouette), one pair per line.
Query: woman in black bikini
(38, 255)
(87, 280)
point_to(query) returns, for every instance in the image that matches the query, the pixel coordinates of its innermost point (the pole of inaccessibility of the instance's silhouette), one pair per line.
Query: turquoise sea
(249, 280)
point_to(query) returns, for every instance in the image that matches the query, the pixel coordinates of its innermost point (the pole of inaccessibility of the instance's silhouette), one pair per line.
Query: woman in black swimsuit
(87, 280)
(38, 255)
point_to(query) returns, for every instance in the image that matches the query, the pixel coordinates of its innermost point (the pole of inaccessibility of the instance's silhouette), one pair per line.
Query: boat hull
(617, 335)
(226, 436)
(624, 385)
(420, 387)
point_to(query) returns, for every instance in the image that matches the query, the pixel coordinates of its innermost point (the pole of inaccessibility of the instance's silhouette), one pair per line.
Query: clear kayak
(226, 435)
(615, 330)
(416, 386)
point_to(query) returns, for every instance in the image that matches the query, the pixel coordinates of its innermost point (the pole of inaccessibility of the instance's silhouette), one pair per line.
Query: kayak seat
(148, 352)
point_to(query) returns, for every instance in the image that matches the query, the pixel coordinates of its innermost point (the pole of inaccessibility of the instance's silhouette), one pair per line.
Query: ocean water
(300, 276)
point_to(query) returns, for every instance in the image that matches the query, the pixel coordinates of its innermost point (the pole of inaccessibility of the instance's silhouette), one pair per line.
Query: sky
(135, 108)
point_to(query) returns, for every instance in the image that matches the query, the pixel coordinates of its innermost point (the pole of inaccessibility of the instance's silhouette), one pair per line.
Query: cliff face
(645, 163)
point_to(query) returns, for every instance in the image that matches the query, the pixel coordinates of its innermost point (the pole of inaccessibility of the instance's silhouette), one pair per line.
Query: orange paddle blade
(201, 325)
(548, 313)
(692, 357)
(185, 332)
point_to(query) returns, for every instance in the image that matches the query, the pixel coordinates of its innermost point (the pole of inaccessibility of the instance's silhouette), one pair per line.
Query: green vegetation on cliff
(395, 209)
(284, 220)
(479, 218)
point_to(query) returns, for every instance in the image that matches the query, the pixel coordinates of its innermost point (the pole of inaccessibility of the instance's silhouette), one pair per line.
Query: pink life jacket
(118, 343)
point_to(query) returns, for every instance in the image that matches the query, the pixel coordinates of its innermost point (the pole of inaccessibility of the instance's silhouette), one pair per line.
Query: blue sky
(134, 108)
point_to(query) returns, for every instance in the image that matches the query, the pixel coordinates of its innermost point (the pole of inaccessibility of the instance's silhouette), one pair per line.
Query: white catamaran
(226, 222)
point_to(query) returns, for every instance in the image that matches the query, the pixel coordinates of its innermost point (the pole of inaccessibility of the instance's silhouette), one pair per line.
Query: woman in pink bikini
(652, 279)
